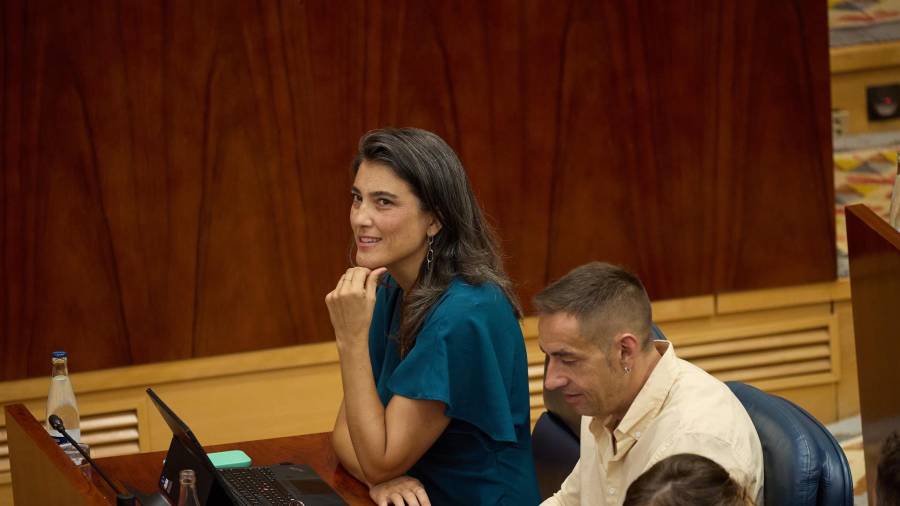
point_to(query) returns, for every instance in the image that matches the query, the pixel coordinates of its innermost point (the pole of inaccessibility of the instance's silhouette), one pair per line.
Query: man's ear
(628, 346)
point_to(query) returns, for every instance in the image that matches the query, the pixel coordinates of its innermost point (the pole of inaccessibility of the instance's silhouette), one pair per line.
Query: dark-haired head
(594, 326)
(460, 244)
(686, 479)
(604, 298)
(887, 488)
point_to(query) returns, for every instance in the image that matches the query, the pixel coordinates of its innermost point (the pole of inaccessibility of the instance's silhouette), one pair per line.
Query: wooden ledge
(865, 57)
(835, 291)
(688, 308)
(179, 370)
(321, 354)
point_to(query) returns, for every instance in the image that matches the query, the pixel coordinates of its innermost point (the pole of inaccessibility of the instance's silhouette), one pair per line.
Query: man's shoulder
(699, 401)
(693, 384)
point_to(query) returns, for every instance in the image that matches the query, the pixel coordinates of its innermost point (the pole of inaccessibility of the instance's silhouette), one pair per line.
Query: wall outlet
(840, 122)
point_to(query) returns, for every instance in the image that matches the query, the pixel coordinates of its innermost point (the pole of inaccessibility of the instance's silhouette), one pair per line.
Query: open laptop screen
(185, 452)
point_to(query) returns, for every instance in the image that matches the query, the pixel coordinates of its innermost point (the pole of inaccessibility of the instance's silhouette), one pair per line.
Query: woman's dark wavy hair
(466, 246)
(686, 479)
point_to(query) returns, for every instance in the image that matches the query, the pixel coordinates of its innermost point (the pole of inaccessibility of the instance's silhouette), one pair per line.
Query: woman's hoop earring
(429, 257)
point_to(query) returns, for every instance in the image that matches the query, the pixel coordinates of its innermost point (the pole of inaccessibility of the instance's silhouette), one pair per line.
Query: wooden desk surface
(142, 470)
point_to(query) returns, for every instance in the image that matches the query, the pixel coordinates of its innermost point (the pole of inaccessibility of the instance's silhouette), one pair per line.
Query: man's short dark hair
(888, 481)
(605, 299)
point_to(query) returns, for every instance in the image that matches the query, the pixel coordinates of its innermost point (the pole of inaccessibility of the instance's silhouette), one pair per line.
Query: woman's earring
(627, 369)
(429, 257)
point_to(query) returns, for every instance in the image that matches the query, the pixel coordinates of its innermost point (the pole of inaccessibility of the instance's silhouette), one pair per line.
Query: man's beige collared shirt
(680, 409)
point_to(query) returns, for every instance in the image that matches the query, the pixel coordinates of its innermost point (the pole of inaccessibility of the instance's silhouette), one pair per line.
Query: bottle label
(165, 484)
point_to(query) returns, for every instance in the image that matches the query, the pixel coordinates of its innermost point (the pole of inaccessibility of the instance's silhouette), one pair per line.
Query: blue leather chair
(555, 439)
(555, 450)
(803, 463)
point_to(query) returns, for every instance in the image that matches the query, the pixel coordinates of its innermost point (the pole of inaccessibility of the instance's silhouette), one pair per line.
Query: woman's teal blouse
(470, 355)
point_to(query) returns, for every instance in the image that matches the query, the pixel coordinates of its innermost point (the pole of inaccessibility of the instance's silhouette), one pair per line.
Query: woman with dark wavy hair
(436, 404)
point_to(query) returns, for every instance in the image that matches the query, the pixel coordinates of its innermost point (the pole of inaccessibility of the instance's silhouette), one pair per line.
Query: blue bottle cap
(59, 354)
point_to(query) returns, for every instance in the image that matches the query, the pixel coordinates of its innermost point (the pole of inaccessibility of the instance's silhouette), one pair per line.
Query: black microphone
(122, 498)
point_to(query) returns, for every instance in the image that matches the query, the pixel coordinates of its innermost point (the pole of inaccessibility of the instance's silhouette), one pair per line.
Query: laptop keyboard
(257, 485)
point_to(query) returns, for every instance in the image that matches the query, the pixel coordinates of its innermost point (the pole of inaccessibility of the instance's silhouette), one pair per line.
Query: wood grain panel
(774, 147)
(874, 249)
(175, 175)
(700, 129)
(637, 130)
(174, 203)
(476, 74)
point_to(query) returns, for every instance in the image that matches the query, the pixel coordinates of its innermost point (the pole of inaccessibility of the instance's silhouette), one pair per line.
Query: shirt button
(637, 434)
(612, 491)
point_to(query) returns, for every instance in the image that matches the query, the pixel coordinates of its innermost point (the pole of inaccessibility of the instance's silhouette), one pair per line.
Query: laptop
(280, 484)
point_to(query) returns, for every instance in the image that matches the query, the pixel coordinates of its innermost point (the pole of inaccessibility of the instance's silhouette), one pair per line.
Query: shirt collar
(649, 400)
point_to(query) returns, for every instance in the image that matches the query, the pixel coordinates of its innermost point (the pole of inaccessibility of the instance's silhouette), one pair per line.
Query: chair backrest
(803, 463)
(556, 449)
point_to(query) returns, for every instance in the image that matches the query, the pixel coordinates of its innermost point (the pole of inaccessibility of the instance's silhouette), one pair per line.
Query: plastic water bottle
(187, 490)
(61, 399)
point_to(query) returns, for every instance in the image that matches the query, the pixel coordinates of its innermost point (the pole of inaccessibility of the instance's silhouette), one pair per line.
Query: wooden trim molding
(864, 57)
(179, 371)
(783, 297)
(676, 317)
(684, 309)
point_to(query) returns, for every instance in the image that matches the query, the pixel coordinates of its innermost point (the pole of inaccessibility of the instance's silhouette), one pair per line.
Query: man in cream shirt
(639, 402)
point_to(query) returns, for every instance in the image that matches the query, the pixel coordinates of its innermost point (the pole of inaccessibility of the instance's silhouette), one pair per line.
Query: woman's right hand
(350, 306)
(401, 491)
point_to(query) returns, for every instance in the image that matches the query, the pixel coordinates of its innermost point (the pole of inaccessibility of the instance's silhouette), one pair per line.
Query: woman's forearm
(387, 440)
(350, 308)
(365, 417)
(343, 447)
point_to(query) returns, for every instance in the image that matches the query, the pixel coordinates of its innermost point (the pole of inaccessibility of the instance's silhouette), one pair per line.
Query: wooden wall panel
(477, 73)
(184, 188)
(774, 147)
(636, 137)
(175, 177)
(676, 141)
